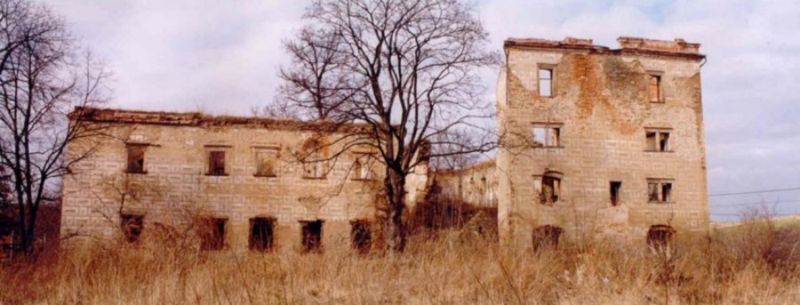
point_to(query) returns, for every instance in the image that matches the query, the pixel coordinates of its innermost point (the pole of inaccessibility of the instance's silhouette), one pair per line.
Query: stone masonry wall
(600, 101)
(476, 184)
(176, 188)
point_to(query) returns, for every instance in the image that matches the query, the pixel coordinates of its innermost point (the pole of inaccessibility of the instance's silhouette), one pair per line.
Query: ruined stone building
(475, 185)
(593, 141)
(237, 182)
(597, 141)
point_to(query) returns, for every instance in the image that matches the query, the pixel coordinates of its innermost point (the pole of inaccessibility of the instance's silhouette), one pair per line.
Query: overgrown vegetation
(42, 77)
(408, 71)
(460, 266)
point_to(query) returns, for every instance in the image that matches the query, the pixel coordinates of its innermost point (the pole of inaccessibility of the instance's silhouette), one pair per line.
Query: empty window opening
(311, 236)
(659, 191)
(362, 167)
(551, 189)
(132, 226)
(660, 236)
(546, 82)
(663, 141)
(539, 136)
(614, 189)
(136, 158)
(313, 159)
(261, 233)
(364, 171)
(546, 237)
(212, 234)
(657, 140)
(666, 192)
(546, 135)
(216, 163)
(548, 187)
(652, 191)
(361, 236)
(314, 169)
(654, 88)
(652, 141)
(266, 160)
(314, 165)
(357, 168)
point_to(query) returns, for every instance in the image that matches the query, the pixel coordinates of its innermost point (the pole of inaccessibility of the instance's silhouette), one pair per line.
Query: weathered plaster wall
(476, 184)
(176, 187)
(601, 99)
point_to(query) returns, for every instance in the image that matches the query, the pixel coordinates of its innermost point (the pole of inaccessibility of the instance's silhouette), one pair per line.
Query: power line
(756, 192)
(766, 203)
(741, 214)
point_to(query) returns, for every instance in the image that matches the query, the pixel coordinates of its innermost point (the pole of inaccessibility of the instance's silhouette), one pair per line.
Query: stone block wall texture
(475, 185)
(600, 99)
(176, 188)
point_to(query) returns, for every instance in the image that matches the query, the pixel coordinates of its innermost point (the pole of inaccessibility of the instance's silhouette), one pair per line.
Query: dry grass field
(755, 264)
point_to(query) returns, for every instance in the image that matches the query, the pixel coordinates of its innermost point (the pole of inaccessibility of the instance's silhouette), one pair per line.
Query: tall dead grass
(753, 264)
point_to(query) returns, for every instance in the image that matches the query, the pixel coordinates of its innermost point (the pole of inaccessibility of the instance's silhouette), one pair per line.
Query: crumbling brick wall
(475, 185)
(176, 187)
(600, 111)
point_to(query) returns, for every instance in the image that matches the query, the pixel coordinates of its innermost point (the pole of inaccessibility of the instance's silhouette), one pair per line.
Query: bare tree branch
(408, 70)
(42, 77)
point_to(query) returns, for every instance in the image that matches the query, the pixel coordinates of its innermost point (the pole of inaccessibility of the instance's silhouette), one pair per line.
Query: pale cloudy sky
(222, 57)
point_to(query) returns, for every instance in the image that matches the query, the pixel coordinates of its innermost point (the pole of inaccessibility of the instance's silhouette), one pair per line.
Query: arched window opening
(660, 236)
(313, 159)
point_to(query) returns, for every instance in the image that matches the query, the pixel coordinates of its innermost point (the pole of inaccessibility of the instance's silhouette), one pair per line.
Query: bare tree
(408, 71)
(318, 85)
(42, 76)
(455, 143)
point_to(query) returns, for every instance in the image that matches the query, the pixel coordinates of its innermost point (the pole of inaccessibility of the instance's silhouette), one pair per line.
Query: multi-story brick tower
(600, 142)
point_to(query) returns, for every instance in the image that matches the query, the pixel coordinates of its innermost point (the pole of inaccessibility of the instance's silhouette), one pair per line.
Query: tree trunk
(25, 231)
(394, 231)
(30, 233)
(23, 244)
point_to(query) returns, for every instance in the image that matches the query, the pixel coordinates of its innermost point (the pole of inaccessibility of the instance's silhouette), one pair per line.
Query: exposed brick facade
(475, 185)
(577, 122)
(604, 120)
(176, 186)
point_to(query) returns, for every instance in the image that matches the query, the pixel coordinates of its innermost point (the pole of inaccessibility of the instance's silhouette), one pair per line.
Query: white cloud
(219, 56)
